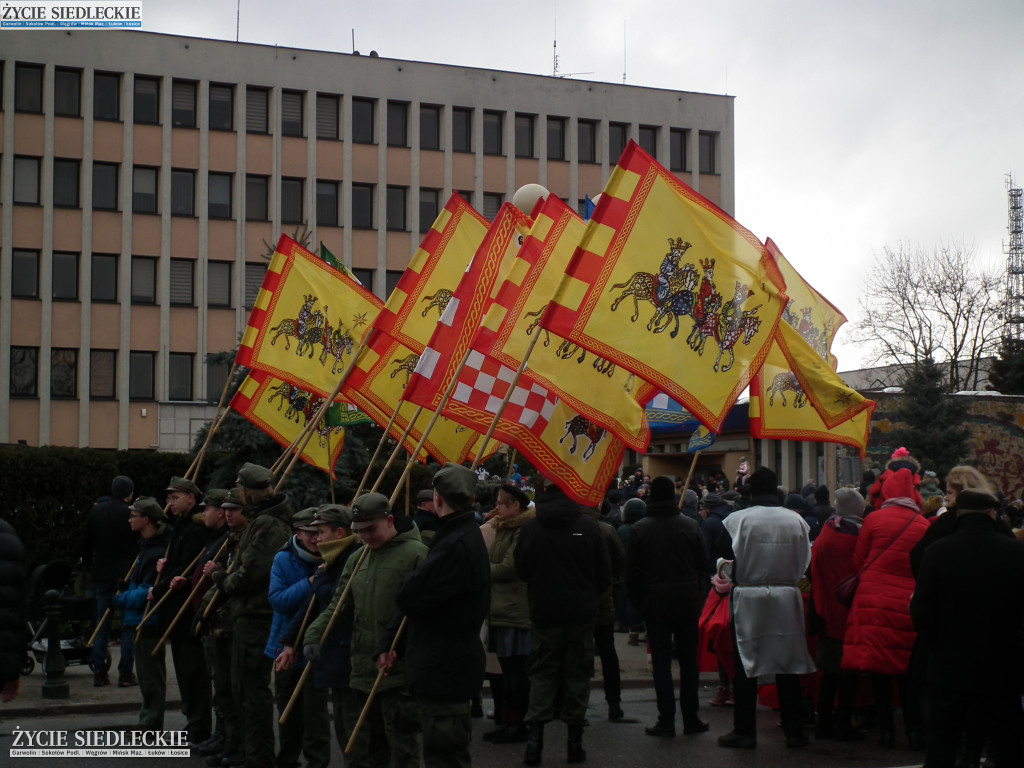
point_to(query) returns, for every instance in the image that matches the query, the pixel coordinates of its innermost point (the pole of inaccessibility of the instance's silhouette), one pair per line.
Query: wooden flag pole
(689, 476)
(398, 449)
(373, 691)
(145, 617)
(109, 611)
(181, 611)
(327, 631)
(214, 424)
(376, 453)
(511, 462)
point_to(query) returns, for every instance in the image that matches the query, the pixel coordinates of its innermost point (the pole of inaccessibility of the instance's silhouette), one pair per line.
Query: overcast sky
(858, 125)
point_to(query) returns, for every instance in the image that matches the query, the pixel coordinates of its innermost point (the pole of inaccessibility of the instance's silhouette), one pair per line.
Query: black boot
(575, 752)
(534, 743)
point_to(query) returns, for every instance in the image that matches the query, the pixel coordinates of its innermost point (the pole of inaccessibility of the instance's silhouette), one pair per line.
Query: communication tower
(1014, 314)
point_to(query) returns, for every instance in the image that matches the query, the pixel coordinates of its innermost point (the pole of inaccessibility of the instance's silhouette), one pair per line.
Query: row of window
(146, 110)
(102, 374)
(64, 284)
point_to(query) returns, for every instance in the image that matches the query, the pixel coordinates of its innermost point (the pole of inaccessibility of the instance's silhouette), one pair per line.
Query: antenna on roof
(623, 51)
(238, 18)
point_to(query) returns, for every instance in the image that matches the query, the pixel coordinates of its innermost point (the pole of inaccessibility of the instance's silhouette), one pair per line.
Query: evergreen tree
(933, 422)
(1007, 372)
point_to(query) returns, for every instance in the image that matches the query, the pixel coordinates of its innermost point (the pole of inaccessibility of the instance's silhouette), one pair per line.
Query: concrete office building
(143, 177)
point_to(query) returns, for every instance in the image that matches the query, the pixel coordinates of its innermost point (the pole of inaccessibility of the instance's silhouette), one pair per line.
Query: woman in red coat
(880, 634)
(831, 562)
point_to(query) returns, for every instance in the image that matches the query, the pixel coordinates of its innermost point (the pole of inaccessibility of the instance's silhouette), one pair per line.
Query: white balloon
(527, 196)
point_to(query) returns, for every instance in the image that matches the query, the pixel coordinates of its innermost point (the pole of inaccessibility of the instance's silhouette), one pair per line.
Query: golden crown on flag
(707, 264)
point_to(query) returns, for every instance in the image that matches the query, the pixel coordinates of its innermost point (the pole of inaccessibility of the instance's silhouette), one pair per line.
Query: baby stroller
(77, 616)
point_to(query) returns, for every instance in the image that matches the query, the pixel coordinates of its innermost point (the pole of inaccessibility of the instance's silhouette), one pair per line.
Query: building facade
(144, 181)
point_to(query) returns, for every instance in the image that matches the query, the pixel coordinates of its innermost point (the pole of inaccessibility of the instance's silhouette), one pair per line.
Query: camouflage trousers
(390, 735)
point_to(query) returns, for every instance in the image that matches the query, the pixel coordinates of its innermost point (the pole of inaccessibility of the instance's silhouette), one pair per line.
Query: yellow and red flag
(425, 288)
(307, 320)
(604, 393)
(705, 295)
(454, 331)
(282, 410)
(797, 396)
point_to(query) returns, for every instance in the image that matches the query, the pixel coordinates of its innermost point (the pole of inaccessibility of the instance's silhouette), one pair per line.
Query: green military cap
(233, 500)
(456, 485)
(334, 515)
(215, 497)
(181, 485)
(303, 519)
(149, 507)
(254, 477)
(368, 509)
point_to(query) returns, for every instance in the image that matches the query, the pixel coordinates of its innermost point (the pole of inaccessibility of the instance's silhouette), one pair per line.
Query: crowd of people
(842, 602)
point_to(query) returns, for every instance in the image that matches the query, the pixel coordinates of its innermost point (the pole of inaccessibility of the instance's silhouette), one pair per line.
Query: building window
(216, 378)
(183, 104)
(24, 371)
(179, 376)
(183, 193)
(104, 186)
(326, 203)
(28, 88)
(618, 134)
(398, 124)
(391, 278)
(106, 96)
(143, 280)
(219, 203)
(291, 113)
(677, 138)
(649, 140)
(24, 274)
(256, 101)
(67, 92)
(362, 121)
(396, 208)
(493, 127)
(462, 129)
(65, 276)
(586, 141)
(147, 100)
(65, 183)
(144, 190)
(708, 147)
(430, 127)
(218, 283)
(222, 107)
(362, 206)
(291, 201)
(181, 282)
(524, 135)
(428, 208)
(104, 277)
(254, 274)
(63, 373)
(26, 180)
(556, 138)
(102, 366)
(256, 197)
(327, 116)
(492, 202)
(140, 375)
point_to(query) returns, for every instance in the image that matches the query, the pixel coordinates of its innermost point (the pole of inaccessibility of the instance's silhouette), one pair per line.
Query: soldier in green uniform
(390, 733)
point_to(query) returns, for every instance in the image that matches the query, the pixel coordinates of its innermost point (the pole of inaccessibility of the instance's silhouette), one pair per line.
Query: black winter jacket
(12, 603)
(108, 545)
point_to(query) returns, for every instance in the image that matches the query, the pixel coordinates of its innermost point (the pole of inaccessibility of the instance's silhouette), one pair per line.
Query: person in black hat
(445, 601)
(425, 516)
(188, 538)
(713, 510)
(108, 549)
(969, 614)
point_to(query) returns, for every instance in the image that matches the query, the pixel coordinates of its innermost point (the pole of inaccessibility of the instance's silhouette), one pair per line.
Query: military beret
(425, 495)
(975, 500)
(334, 515)
(456, 485)
(233, 500)
(215, 497)
(254, 477)
(368, 509)
(147, 506)
(303, 519)
(181, 485)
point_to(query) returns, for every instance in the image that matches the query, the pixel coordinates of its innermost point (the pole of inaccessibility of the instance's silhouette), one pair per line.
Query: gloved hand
(721, 585)
(311, 651)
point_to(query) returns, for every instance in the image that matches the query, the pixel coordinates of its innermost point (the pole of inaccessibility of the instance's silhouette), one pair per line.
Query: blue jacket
(289, 590)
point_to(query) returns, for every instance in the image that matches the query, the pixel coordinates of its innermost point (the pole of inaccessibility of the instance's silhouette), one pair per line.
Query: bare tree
(939, 305)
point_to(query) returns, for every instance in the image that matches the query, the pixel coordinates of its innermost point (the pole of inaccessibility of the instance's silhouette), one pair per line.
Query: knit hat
(690, 498)
(821, 494)
(713, 500)
(663, 489)
(898, 484)
(849, 503)
(633, 510)
(795, 502)
(122, 487)
(764, 481)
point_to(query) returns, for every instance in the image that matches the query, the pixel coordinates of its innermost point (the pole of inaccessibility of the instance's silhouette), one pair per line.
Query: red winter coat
(880, 634)
(831, 562)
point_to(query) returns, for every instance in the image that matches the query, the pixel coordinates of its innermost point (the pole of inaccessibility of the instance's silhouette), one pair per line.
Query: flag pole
(511, 461)
(398, 448)
(154, 608)
(380, 447)
(373, 690)
(214, 424)
(184, 605)
(689, 476)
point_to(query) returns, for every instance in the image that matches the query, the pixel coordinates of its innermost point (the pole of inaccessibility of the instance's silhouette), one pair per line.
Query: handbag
(847, 588)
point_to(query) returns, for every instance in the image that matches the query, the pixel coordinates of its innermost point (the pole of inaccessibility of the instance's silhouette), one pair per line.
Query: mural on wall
(996, 442)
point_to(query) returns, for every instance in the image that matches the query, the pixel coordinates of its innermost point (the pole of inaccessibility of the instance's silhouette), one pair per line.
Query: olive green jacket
(509, 606)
